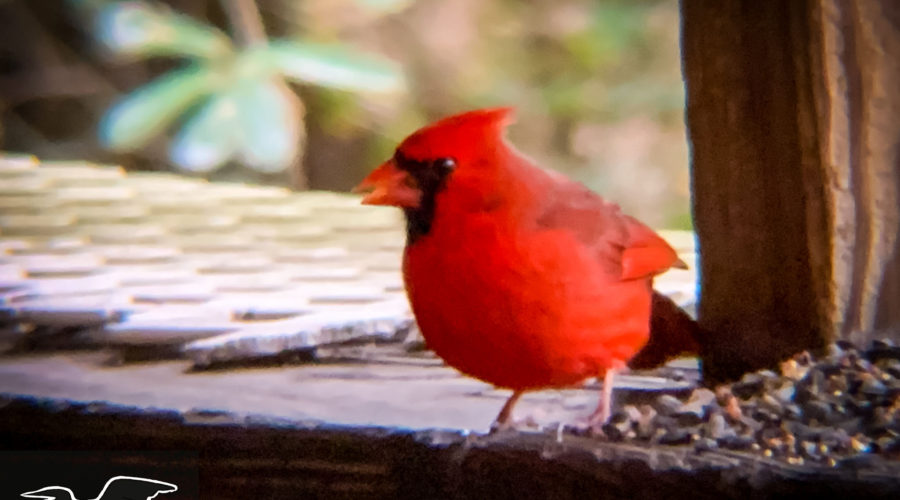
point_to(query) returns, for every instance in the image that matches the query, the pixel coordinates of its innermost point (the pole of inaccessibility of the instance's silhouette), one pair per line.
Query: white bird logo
(117, 488)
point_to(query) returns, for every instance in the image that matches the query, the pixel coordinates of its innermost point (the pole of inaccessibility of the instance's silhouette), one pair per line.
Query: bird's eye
(447, 164)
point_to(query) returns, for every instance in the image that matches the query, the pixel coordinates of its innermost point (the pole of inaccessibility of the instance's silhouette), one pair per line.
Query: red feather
(521, 277)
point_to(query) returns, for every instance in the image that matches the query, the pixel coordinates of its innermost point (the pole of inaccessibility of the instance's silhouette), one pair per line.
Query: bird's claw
(588, 427)
(514, 425)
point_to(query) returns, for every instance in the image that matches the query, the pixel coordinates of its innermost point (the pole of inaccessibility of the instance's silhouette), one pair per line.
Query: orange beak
(388, 185)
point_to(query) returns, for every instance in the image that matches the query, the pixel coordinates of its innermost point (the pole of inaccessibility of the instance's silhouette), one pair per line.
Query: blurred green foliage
(233, 100)
(596, 84)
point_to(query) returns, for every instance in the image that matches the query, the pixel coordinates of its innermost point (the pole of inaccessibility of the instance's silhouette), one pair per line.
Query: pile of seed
(844, 406)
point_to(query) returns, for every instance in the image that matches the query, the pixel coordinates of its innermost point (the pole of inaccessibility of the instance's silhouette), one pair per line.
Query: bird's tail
(673, 333)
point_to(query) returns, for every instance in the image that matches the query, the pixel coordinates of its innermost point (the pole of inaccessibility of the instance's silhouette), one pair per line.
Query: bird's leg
(604, 409)
(503, 420)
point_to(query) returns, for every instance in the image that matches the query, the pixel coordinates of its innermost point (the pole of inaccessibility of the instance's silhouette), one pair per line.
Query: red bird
(517, 275)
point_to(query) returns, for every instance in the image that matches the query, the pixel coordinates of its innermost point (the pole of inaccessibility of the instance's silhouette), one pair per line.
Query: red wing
(624, 245)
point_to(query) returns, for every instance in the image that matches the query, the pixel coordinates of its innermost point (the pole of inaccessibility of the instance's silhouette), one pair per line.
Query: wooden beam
(794, 122)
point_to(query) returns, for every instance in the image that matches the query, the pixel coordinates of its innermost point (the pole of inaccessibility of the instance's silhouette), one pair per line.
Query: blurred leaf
(618, 26)
(564, 98)
(385, 6)
(254, 63)
(209, 138)
(147, 111)
(610, 39)
(333, 66)
(259, 118)
(139, 29)
(681, 220)
(269, 119)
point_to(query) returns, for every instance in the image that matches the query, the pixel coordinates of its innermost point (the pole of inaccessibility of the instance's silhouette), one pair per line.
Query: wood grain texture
(244, 457)
(795, 129)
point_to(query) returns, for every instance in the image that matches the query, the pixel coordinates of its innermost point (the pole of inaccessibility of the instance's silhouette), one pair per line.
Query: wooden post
(793, 112)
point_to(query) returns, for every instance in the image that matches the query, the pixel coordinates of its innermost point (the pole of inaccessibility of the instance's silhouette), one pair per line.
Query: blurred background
(314, 93)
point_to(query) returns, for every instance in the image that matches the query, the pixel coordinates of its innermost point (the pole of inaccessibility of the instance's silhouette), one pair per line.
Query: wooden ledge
(246, 456)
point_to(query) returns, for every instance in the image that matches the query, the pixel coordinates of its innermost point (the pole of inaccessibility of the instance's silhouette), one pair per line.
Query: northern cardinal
(517, 275)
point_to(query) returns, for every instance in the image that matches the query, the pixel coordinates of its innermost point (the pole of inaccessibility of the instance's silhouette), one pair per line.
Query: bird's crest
(457, 135)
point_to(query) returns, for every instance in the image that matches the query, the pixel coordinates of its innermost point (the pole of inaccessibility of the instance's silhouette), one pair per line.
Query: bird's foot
(514, 425)
(585, 426)
(596, 424)
(615, 428)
